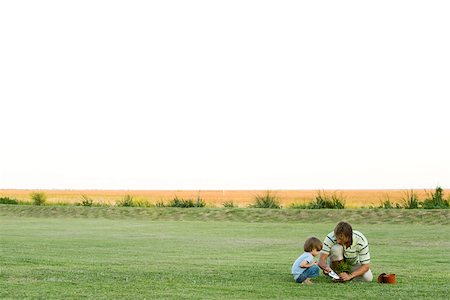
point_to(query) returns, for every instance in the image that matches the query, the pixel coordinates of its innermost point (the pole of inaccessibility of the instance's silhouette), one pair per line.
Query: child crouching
(304, 267)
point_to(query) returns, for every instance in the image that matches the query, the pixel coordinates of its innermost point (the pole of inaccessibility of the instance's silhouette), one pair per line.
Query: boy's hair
(343, 229)
(312, 243)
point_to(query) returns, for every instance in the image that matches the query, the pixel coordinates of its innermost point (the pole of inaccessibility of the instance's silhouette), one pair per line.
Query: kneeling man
(347, 244)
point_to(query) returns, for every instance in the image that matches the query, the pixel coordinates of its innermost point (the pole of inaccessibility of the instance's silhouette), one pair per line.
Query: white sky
(224, 94)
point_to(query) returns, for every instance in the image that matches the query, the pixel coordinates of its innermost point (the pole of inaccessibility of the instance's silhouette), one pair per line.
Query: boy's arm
(305, 264)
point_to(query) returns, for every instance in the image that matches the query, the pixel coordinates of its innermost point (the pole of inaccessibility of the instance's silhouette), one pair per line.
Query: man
(347, 244)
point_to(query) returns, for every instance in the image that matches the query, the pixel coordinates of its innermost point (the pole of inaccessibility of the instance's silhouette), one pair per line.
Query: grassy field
(216, 198)
(133, 253)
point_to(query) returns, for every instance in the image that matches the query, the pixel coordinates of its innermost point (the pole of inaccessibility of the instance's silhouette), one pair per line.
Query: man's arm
(358, 272)
(323, 263)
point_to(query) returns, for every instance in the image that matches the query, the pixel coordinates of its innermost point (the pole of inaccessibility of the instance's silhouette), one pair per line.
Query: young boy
(304, 267)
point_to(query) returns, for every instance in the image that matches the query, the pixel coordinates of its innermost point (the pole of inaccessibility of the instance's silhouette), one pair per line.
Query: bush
(436, 200)
(86, 201)
(38, 198)
(200, 202)
(179, 202)
(229, 204)
(387, 204)
(323, 200)
(160, 204)
(142, 203)
(268, 200)
(410, 200)
(7, 200)
(298, 205)
(127, 201)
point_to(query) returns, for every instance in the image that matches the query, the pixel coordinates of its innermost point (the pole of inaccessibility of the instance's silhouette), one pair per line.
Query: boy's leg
(308, 273)
(366, 277)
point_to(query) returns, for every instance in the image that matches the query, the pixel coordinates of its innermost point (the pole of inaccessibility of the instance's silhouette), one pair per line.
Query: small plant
(267, 200)
(38, 198)
(86, 201)
(127, 201)
(143, 203)
(323, 200)
(229, 204)
(436, 200)
(60, 203)
(7, 200)
(200, 202)
(160, 204)
(387, 203)
(410, 200)
(179, 202)
(298, 205)
(344, 266)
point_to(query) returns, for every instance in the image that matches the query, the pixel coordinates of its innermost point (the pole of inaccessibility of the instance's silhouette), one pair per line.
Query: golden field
(216, 198)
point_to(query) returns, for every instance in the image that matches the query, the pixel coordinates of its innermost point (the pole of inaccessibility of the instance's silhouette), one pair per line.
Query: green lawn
(136, 258)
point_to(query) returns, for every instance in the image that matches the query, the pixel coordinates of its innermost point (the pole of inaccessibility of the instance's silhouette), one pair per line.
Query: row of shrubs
(434, 200)
(322, 200)
(37, 199)
(127, 201)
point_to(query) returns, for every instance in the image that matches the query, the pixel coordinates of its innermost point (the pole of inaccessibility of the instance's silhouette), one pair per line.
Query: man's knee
(337, 253)
(366, 277)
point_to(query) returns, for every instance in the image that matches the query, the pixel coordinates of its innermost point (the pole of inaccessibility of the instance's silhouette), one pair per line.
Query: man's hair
(312, 243)
(343, 229)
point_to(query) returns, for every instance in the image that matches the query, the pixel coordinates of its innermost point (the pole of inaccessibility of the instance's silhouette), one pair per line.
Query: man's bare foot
(307, 281)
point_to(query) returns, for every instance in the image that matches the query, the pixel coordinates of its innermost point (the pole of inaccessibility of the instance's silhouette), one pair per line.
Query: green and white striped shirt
(358, 252)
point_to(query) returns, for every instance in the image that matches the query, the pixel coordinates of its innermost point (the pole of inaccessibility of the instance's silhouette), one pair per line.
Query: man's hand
(323, 263)
(326, 270)
(345, 277)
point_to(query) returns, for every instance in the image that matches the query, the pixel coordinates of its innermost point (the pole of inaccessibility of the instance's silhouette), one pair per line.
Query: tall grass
(297, 205)
(410, 200)
(266, 200)
(185, 203)
(229, 204)
(143, 203)
(7, 200)
(86, 201)
(127, 201)
(38, 198)
(436, 200)
(324, 200)
(386, 202)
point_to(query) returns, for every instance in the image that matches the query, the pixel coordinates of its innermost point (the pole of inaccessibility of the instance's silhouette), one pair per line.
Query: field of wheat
(216, 198)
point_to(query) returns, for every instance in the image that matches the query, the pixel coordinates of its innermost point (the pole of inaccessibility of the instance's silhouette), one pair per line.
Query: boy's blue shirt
(296, 269)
